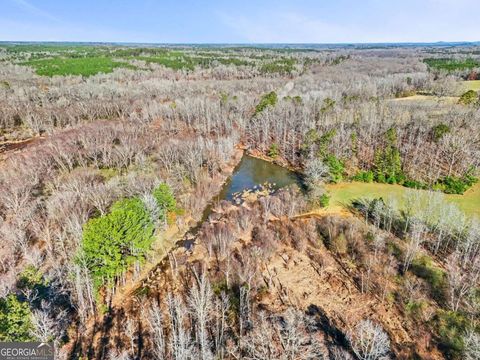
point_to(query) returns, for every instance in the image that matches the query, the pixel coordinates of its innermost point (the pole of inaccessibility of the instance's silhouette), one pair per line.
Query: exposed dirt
(296, 280)
(12, 146)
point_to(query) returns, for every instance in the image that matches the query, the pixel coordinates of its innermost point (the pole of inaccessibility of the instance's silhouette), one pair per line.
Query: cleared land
(75, 66)
(91, 60)
(343, 194)
(472, 85)
(431, 98)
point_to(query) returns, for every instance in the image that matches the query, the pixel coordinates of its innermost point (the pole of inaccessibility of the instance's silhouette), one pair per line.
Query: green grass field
(86, 66)
(472, 85)
(78, 59)
(342, 195)
(447, 64)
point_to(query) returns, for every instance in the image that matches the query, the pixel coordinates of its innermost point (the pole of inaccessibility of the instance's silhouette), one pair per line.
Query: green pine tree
(113, 242)
(15, 320)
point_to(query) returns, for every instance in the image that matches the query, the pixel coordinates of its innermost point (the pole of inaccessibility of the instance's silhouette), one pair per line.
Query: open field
(431, 98)
(50, 60)
(472, 85)
(87, 66)
(343, 194)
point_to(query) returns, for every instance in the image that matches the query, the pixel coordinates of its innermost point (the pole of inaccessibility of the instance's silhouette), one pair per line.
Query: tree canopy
(15, 319)
(113, 242)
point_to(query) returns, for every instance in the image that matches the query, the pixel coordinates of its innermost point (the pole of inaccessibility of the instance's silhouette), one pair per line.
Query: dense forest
(115, 244)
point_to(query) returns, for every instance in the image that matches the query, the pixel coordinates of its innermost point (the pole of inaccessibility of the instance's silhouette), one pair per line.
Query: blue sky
(247, 21)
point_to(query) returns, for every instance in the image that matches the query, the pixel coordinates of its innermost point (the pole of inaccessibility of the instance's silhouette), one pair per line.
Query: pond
(252, 172)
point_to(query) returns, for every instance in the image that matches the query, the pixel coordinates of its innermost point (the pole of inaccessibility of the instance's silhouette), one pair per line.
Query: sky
(247, 21)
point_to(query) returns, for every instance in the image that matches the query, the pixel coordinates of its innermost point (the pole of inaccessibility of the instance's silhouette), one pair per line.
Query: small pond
(252, 172)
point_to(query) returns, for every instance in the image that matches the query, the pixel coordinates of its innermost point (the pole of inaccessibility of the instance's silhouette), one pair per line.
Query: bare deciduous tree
(369, 341)
(201, 306)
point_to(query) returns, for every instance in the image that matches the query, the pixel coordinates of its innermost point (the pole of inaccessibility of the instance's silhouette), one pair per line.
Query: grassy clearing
(342, 194)
(86, 66)
(78, 59)
(471, 85)
(425, 98)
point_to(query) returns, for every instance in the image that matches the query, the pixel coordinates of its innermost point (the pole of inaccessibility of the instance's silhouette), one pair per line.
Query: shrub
(328, 104)
(451, 326)
(30, 277)
(336, 168)
(15, 320)
(380, 177)
(456, 185)
(297, 100)
(165, 198)
(324, 200)
(113, 242)
(405, 93)
(414, 184)
(416, 308)
(364, 176)
(469, 98)
(439, 131)
(425, 268)
(273, 151)
(339, 244)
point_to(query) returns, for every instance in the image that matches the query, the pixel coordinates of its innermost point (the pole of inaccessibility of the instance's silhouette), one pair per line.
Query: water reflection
(252, 172)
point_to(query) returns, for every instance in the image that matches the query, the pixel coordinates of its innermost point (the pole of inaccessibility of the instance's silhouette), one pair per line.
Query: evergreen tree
(388, 162)
(163, 194)
(113, 242)
(15, 320)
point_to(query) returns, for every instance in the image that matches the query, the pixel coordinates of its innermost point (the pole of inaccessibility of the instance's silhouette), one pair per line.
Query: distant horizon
(448, 43)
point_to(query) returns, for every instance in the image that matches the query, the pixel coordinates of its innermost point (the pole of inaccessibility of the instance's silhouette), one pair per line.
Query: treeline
(90, 60)
(374, 141)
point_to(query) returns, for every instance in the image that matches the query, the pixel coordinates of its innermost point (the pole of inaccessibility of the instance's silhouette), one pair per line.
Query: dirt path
(319, 213)
(12, 146)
